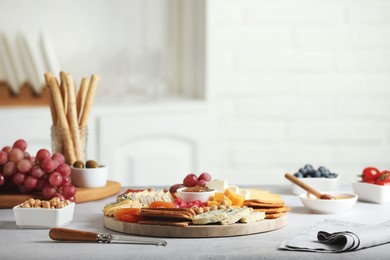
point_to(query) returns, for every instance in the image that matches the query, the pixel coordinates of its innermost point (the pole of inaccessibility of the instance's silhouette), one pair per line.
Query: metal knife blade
(64, 234)
(138, 240)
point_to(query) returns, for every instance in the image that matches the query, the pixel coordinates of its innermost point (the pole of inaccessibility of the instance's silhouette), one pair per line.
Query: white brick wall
(299, 81)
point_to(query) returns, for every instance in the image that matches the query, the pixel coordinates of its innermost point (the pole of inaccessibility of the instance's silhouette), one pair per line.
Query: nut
(91, 164)
(78, 164)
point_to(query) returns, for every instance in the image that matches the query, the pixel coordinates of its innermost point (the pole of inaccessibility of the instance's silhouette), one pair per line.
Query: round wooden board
(82, 195)
(194, 231)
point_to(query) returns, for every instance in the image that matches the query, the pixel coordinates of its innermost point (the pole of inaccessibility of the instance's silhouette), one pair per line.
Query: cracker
(273, 216)
(263, 205)
(272, 210)
(166, 214)
(165, 223)
(267, 199)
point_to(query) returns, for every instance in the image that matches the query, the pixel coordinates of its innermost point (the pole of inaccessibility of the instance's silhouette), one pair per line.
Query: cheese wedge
(209, 217)
(234, 215)
(253, 217)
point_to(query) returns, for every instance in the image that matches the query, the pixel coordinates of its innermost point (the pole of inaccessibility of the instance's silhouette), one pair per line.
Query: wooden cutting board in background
(82, 195)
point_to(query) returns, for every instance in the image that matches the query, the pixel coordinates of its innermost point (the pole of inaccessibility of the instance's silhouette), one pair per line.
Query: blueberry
(303, 171)
(326, 174)
(309, 168)
(333, 175)
(298, 175)
(322, 169)
(315, 174)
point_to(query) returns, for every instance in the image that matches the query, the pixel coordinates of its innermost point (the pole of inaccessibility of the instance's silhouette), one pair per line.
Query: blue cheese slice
(209, 217)
(234, 215)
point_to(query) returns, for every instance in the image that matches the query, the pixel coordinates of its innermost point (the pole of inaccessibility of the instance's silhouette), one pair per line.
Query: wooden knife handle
(303, 185)
(64, 234)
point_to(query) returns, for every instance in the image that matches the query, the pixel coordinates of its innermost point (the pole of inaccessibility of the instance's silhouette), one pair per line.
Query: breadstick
(81, 94)
(62, 122)
(72, 117)
(89, 100)
(64, 91)
(48, 76)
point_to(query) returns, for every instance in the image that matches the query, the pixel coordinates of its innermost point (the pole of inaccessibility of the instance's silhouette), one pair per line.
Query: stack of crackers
(264, 201)
(167, 216)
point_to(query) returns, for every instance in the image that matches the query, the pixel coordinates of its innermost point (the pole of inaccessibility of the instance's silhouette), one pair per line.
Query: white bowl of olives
(90, 175)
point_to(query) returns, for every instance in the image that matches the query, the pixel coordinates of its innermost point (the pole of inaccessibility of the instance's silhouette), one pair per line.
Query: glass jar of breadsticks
(70, 109)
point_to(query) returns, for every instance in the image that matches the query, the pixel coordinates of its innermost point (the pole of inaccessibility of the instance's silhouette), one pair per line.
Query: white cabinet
(156, 146)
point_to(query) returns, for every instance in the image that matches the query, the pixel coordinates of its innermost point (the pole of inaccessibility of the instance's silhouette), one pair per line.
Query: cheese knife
(71, 235)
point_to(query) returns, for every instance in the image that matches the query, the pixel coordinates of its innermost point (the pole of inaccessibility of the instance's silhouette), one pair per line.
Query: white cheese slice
(218, 185)
(157, 197)
(253, 217)
(246, 193)
(143, 200)
(149, 199)
(234, 188)
(166, 197)
(133, 197)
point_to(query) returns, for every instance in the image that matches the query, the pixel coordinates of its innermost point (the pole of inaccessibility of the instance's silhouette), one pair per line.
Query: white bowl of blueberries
(320, 179)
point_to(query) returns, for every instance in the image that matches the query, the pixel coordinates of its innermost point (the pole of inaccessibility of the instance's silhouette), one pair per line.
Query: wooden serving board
(82, 195)
(194, 231)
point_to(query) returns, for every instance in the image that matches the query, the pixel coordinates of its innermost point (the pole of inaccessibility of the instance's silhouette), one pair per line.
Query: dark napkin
(334, 236)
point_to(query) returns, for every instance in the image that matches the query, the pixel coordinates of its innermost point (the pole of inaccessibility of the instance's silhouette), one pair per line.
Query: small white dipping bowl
(368, 192)
(342, 203)
(189, 196)
(89, 177)
(43, 218)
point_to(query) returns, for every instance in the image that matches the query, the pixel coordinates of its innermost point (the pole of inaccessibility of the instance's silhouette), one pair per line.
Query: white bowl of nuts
(35, 213)
(92, 175)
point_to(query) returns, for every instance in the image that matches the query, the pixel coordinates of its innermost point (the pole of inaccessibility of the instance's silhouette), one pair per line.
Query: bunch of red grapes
(46, 173)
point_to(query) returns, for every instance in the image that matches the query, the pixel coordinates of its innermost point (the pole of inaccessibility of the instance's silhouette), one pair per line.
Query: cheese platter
(196, 231)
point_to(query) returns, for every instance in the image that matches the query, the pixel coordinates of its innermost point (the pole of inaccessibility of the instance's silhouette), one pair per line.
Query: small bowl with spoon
(323, 202)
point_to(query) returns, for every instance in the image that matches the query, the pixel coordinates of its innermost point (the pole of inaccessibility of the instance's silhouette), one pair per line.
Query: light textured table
(16, 243)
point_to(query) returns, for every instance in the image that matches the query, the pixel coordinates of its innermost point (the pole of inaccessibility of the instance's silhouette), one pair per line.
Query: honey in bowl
(196, 189)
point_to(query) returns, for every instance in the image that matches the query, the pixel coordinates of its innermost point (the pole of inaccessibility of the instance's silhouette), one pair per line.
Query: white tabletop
(16, 243)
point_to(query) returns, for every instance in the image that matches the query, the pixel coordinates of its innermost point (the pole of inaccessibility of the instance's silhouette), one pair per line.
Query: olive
(78, 164)
(91, 164)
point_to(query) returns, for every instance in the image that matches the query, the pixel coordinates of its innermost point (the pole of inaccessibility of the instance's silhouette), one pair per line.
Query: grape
(48, 191)
(40, 183)
(9, 169)
(15, 155)
(24, 165)
(18, 178)
(60, 196)
(41, 155)
(55, 179)
(63, 169)
(20, 144)
(6, 149)
(23, 189)
(45, 173)
(37, 172)
(27, 155)
(49, 165)
(69, 191)
(65, 180)
(3, 157)
(58, 157)
(30, 182)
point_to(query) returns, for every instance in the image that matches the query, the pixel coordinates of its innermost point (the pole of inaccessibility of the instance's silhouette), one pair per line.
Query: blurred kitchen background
(245, 90)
